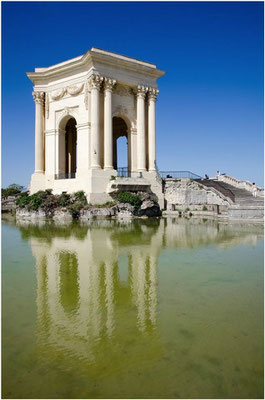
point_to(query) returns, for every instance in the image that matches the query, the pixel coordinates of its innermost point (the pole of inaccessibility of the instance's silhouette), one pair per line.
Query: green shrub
(23, 200)
(126, 197)
(75, 209)
(204, 208)
(35, 201)
(64, 199)
(80, 196)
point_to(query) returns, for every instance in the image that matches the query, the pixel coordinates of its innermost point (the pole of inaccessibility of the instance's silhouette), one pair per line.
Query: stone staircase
(244, 204)
(237, 195)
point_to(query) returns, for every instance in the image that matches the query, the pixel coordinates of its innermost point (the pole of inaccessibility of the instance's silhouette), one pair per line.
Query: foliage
(126, 197)
(23, 199)
(64, 199)
(12, 190)
(204, 208)
(80, 196)
(75, 209)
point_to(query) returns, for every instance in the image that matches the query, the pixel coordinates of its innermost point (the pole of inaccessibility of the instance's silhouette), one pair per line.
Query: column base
(37, 182)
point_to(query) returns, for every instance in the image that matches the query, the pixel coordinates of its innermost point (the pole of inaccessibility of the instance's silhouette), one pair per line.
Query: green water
(163, 308)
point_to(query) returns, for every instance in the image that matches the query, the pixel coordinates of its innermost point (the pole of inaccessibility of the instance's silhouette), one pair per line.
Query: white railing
(240, 184)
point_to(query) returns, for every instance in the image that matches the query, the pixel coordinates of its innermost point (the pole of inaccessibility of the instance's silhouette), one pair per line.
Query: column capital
(109, 83)
(39, 97)
(141, 91)
(95, 81)
(152, 94)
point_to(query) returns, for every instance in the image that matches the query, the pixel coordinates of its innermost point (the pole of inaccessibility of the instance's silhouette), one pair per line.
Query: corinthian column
(152, 129)
(39, 131)
(141, 150)
(95, 85)
(108, 135)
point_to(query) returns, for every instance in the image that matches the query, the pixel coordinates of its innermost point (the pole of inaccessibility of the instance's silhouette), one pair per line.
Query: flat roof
(99, 51)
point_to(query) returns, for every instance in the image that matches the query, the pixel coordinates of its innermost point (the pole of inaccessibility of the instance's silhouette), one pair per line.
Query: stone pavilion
(82, 106)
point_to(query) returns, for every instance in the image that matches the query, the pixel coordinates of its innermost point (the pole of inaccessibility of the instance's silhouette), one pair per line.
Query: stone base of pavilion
(99, 184)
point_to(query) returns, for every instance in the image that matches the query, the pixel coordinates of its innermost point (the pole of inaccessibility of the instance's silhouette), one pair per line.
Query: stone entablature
(93, 89)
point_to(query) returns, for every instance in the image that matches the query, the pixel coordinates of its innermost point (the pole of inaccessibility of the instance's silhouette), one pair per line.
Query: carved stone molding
(152, 94)
(109, 83)
(66, 111)
(141, 91)
(95, 81)
(74, 89)
(39, 97)
(123, 90)
(58, 94)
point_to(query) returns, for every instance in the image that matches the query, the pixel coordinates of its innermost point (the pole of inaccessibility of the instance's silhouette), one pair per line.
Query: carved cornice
(141, 91)
(109, 83)
(152, 94)
(39, 97)
(95, 81)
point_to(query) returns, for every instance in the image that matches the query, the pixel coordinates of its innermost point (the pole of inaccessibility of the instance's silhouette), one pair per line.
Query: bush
(23, 200)
(126, 197)
(75, 209)
(64, 199)
(80, 196)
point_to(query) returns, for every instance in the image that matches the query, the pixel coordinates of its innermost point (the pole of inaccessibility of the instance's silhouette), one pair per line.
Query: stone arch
(120, 129)
(67, 146)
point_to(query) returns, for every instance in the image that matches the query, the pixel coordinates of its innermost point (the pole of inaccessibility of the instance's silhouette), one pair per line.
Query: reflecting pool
(159, 308)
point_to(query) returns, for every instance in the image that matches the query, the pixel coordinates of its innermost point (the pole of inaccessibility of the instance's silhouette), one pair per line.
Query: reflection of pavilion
(97, 284)
(80, 295)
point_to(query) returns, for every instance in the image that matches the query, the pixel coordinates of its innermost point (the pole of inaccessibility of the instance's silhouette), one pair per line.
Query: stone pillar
(108, 134)
(39, 131)
(141, 148)
(95, 85)
(152, 93)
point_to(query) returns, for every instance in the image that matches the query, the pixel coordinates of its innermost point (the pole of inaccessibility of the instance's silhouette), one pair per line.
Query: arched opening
(67, 149)
(70, 148)
(120, 147)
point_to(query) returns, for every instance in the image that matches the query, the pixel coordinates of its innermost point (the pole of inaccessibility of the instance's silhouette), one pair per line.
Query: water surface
(161, 308)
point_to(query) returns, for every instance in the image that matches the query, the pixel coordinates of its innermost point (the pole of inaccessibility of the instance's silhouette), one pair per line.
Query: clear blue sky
(210, 105)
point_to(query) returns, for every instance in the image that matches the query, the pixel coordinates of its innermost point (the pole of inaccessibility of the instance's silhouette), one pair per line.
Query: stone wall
(187, 192)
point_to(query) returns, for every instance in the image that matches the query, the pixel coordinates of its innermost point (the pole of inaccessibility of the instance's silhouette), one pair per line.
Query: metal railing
(179, 174)
(123, 172)
(65, 176)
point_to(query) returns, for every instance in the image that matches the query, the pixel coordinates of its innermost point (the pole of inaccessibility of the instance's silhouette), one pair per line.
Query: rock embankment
(124, 205)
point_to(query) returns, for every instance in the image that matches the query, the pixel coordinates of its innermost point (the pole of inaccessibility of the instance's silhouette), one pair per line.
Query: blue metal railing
(179, 174)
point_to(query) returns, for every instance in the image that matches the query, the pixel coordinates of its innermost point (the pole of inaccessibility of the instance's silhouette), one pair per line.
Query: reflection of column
(39, 131)
(109, 297)
(152, 289)
(152, 129)
(141, 148)
(95, 84)
(141, 293)
(108, 134)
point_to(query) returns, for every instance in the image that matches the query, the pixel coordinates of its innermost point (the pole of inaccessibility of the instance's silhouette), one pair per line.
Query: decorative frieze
(39, 97)
(72, 90)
